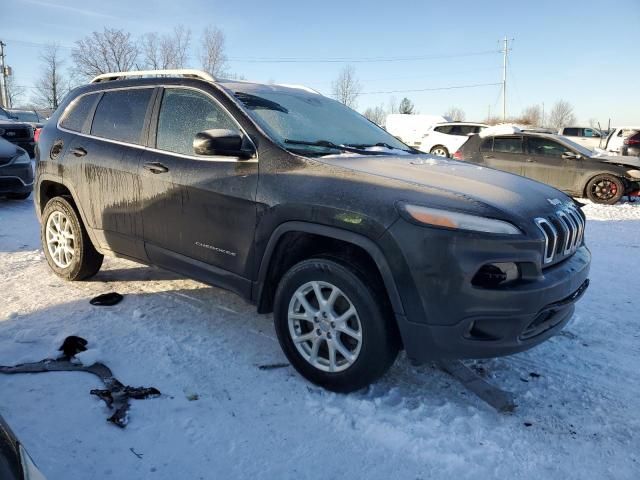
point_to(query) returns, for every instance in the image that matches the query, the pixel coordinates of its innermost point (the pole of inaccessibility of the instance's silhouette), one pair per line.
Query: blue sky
(584, 52)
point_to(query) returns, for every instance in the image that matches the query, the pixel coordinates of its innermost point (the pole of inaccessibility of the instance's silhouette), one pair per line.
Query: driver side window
(185, 113)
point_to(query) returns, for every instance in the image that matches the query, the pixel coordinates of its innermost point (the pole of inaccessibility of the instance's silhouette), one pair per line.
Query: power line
(358, 59)
(452, 87)
(38, 44)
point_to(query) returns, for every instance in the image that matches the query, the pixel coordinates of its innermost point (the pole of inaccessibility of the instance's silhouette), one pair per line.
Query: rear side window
(487, 145)
(507, 144)
(444, 129)
(77, 115)
(572, 132)
(120, 115)
(185, 113)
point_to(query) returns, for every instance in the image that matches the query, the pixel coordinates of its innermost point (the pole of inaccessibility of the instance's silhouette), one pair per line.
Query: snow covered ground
(220, 416)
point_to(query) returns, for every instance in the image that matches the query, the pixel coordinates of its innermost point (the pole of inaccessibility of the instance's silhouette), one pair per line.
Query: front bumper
(16, 178)
(446, 317)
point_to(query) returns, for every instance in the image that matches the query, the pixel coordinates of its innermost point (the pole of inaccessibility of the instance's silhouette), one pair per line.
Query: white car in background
(616, 138)
(585, 136)
(444, 139)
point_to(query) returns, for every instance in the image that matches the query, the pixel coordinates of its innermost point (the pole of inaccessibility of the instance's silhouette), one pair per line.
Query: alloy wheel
(324, 326)
(61, 240)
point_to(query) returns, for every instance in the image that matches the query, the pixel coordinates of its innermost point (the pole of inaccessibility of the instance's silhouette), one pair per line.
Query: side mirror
(221, 142)
(570, 156)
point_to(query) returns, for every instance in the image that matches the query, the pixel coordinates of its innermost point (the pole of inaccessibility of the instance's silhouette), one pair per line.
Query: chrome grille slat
(563, 233)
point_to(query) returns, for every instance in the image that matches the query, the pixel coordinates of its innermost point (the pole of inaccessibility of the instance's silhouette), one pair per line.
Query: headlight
(22, 159)
(459, 221)
(633, 173)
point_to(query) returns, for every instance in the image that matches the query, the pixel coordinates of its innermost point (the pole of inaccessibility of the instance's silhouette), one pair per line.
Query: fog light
(496, 274)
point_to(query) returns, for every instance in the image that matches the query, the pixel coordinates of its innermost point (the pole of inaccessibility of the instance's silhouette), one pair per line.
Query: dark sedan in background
(16, 132)
(15, 462)
(556, 161)
(16, 172)
(631, 145)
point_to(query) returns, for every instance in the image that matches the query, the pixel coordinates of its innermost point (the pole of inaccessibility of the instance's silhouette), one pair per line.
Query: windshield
(585, 152)
(298, 118)
(26, 116)
(3, 114)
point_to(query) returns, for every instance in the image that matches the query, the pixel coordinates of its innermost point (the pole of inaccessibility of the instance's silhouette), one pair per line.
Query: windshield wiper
(379, 144)
(328, 144)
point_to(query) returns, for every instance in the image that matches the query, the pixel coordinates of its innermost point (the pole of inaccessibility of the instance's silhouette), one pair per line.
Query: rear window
(77, 115)
(120, 115)
(507, 144)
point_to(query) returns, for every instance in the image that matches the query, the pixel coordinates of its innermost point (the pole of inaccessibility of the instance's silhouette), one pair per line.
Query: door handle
(531, 160)
(489, 156)
(156, 167)
(79, 152)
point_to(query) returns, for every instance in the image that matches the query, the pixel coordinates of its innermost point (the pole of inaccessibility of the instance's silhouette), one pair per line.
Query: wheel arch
(50, 187)
(314, 239)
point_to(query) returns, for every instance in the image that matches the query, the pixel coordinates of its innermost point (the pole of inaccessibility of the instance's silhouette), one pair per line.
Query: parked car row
(556, 161)
(17, 132)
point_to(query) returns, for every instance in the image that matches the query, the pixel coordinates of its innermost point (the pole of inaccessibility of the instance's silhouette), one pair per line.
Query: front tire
(439, 151)
(605, 189)
(66, 244)
(332, 326)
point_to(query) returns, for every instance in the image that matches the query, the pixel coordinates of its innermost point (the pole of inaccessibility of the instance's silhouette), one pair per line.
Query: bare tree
(561, 114)
(406, 106)
(15, 93)
(455, 114)
(51, 87)
(347, 87)
(213, 57)
(531, 115)
(111, 50)
(171, 50)
(376, 114)
(393, 106)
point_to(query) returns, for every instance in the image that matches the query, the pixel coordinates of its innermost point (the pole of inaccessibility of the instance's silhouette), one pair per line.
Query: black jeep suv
(359, 244)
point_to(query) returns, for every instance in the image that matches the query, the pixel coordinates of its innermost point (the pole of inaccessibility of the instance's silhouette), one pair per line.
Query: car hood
(619, 160)
(437, 181)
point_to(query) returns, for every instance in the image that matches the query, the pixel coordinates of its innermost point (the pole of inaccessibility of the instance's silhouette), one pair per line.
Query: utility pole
(4, 96)
(505, 51)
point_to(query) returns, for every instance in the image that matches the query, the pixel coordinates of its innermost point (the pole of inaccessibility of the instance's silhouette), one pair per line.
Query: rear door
(105, 174)
(544, 163)
(199, 211)
(504, 153)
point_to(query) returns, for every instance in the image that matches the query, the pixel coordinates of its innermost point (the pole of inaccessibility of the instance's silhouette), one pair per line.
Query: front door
(545, 163)
(199, 212)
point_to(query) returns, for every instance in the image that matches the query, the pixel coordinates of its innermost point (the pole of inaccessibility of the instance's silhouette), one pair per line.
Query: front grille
(563, 233)
(17, 133)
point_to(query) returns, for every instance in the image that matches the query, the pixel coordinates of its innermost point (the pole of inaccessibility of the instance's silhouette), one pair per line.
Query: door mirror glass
(222, 142)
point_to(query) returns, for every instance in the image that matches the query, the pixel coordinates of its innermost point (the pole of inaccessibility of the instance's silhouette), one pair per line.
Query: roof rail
(185, 72)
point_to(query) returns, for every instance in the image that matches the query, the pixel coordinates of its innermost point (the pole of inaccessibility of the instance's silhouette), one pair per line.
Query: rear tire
(66, 244)
(439, 151)
(18, 196)
(342, 340)
(605, 189)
